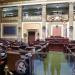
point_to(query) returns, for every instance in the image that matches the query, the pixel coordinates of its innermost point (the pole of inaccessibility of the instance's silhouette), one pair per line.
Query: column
(65, 29)
(71, 21)
(19, 35)
(0, 20)
(44, 28)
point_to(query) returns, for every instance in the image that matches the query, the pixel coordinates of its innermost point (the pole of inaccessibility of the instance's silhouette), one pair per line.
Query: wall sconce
(25, 35)
(19, 29)
(44, 28)
(56, 26)
(38, 33)
(71, 28)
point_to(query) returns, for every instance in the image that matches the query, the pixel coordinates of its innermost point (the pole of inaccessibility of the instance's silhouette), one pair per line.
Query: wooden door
(31, 37)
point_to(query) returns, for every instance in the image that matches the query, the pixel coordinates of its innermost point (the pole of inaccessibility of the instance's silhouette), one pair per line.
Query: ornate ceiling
(6, 1)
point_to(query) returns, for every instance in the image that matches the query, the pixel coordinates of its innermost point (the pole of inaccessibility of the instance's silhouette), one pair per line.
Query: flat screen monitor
(9, 30)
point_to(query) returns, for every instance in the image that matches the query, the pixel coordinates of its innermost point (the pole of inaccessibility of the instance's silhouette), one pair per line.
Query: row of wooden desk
(14, 52)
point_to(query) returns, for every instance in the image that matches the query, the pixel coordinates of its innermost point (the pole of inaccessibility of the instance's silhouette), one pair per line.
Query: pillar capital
(44, 4)
(71, 2)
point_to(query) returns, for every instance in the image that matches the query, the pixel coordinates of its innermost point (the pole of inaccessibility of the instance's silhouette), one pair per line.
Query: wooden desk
(12, 57)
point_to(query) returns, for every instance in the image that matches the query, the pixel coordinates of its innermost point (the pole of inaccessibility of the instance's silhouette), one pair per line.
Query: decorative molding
(34, 2)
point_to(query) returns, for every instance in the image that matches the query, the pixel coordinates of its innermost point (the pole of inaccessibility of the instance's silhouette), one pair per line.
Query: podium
(12, 58)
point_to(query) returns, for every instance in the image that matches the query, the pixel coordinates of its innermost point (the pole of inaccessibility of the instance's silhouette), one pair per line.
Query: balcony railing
(63, 17)
(9, 19)
(32, 18)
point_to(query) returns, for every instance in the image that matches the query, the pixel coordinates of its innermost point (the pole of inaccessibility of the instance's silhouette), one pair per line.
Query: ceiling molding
(34, 2)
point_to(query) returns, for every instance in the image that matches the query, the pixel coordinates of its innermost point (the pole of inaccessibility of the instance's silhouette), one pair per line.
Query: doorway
(31, 37)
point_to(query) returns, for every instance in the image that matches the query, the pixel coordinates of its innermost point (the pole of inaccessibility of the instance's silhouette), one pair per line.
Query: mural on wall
(56, 31)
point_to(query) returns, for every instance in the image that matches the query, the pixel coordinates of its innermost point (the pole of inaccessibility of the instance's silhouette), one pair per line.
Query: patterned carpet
(56, 63)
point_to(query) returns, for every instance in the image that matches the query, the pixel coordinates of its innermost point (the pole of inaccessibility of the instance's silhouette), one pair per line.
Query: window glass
(10, 12)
